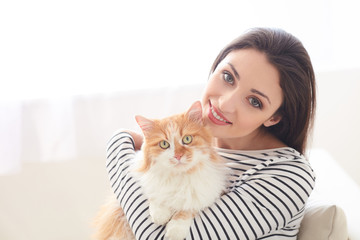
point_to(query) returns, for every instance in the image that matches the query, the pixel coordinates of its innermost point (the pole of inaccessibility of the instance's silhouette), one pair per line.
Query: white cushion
(323, 220)
(334, 185)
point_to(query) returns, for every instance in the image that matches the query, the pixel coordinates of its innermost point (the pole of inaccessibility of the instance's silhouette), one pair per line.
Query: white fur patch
(159, 214)
(178, 229)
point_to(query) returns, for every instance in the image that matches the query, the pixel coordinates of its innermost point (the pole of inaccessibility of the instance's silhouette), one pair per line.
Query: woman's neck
(257, 141)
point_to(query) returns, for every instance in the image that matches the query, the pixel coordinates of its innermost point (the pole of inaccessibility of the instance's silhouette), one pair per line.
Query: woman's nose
(227, 102)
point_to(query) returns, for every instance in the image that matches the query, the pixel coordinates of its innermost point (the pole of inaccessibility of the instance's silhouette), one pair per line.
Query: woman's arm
(262, 201)
(267, 201)
(137, 138)
(120, 153)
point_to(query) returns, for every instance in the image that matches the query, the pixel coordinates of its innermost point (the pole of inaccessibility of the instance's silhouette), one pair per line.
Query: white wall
(79, 46)
(337, 127)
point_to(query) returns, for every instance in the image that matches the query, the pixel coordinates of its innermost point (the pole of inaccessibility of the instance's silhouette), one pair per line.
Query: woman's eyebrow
(261, 94)
(234, 70)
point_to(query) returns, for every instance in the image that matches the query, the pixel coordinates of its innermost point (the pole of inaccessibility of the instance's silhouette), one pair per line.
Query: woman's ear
(272, 121)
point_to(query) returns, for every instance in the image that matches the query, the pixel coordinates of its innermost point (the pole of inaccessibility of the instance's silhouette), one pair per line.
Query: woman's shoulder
(273, 153)
(282, 157)
(283, 164)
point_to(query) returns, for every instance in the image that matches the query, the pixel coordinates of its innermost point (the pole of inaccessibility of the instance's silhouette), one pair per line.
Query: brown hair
(297, 81)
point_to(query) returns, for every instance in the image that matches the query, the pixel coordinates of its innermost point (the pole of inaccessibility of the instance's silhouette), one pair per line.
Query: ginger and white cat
(180, 174)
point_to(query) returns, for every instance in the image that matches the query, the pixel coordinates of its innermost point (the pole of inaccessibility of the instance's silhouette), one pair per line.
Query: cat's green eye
(187, 139)
(164, 144)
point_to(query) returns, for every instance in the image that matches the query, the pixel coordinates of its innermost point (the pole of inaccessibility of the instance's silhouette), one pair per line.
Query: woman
(259, 104)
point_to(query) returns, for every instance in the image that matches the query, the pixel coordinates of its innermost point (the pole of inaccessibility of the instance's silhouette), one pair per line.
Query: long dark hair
(297, 81)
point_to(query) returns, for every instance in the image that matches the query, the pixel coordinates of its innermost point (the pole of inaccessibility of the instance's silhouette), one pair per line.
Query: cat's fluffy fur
(180, 176)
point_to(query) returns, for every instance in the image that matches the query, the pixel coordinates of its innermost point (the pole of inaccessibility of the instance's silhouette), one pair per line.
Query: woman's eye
(255, 102)
(164, 144)
(187, 139)
(228, 77)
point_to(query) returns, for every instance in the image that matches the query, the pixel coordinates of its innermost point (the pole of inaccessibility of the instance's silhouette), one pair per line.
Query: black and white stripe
(267, 194)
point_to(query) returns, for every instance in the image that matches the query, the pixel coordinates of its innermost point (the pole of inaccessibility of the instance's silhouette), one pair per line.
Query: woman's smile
(216, 117)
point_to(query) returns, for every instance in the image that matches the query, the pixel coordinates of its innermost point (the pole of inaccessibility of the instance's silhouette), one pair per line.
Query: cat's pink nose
(178, 156)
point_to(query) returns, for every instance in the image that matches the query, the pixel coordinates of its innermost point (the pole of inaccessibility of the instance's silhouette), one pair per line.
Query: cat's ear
(195, 112)
(145, 124)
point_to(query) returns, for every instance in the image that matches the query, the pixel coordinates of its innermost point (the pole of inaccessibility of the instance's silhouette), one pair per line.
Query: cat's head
(173, 142)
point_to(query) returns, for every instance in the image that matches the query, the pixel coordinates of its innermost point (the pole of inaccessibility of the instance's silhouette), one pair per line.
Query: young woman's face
(242, 94)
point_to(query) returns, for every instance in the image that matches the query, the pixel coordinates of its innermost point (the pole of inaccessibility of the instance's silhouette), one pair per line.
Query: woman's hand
(138, 138)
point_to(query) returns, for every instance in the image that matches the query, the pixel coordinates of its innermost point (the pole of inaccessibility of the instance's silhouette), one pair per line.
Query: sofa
(58, 179)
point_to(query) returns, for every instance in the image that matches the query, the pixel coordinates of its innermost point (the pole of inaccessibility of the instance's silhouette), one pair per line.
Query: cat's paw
(159, 215)
(177, 229)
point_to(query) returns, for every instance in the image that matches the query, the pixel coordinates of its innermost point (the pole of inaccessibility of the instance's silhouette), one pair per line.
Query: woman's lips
(216, 117)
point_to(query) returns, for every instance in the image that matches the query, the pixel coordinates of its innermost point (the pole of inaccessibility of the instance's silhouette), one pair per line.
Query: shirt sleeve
(120, 156)
(266, 199)
(268, 202)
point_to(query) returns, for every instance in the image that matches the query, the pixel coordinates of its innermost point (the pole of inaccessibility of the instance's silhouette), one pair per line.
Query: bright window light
(68, 47)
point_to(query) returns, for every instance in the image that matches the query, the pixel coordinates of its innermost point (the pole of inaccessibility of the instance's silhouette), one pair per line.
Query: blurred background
(74, 46)
(74, 71)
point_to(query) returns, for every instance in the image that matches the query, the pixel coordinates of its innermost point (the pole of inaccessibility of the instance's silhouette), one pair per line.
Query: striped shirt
(266, 198)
